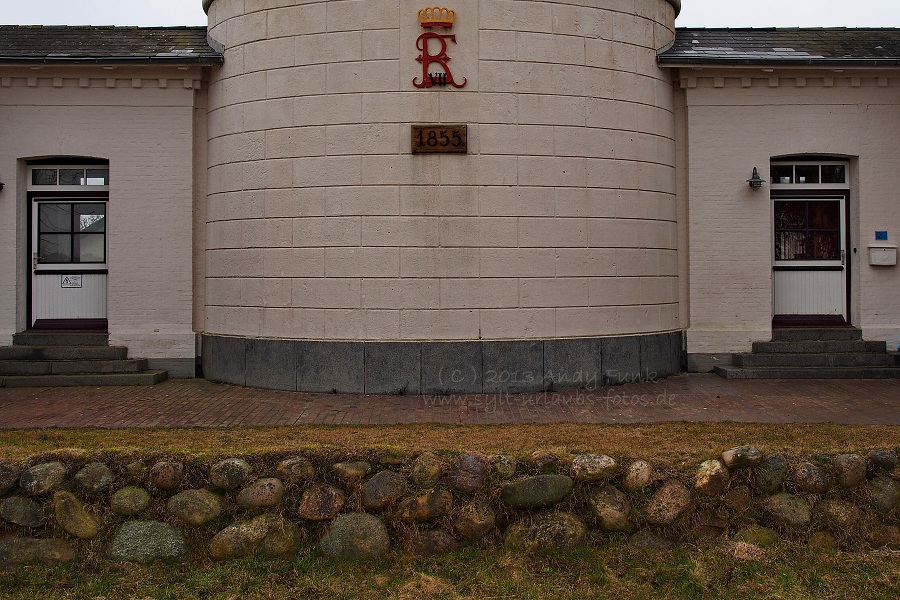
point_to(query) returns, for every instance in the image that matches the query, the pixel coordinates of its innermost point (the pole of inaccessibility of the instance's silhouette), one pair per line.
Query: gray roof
(107, 45)
(798, 47)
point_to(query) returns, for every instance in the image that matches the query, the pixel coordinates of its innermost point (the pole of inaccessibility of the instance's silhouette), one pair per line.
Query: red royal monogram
(439, 78)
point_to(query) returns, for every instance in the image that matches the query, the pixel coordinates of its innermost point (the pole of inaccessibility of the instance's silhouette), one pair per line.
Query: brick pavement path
(698, 398)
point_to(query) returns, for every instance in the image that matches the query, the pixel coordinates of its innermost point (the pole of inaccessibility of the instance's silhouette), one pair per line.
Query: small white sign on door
(70, 281)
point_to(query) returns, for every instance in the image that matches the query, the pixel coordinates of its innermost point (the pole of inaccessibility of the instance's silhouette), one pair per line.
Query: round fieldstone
(22, 511)
(42, 478)
(850, 470)
(426, 470)
(811, 478)
(758, 536)
(594, 467)
(550, 531)
(9, 474)
(429, 506)
(540, 491)
(355, 536)
(433, 543)
(838, 513)
(230, 474)
(544, 462)
(881, 460)
(382, 490)
(351, 473)
(503, 467)
(321, 502)
(822, 540)
(637, 476)
(166, 475)
(196, 507)
(466, 474)
(883, 492)
(282, 539)
(884, 536)
(711, 523)
(295, 469)
(742, 456)
(611, 507)
(769, 474)
(147, 541)
(788, 509)
(647, 540)
(739, 499)
(94, 478)
(262, 493)
(271, 534)
(392, 457)
(73, 517)
(711, 478)
(135, 471)
(474, 520)
(668, 503)
(15, 551)
(129, 501)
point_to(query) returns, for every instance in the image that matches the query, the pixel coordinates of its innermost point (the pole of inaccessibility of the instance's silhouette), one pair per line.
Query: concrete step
(819, 347)
(61, 338)
(71, 367)
(150, 377)
(822, 334)
(63, 352)
(869, 359)
(808, 372)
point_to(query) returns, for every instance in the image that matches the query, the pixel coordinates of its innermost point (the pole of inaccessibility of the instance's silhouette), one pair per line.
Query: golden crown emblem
(437, 16)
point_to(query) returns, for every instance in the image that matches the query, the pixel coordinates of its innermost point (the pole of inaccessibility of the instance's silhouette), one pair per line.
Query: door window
(807, 230)
(71, 232)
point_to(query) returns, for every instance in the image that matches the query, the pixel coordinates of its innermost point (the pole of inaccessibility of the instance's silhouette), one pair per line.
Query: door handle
(35, 257)
(843, 256)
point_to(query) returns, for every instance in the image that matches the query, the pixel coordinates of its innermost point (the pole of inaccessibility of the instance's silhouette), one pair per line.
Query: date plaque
(431, 139)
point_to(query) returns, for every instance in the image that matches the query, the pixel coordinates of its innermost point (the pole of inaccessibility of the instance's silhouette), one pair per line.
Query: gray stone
(224, 359)
(262, 493)
(883, 492)
(393, 368)
(838, 513)
(392, 457)
(594, 467)
(382, 490)
(573, 363)
(351, 473)
(73, 517)
(504, 467)
(788, 509)
(850, 470)
(320, 502)
(883, 460)
(621, 359)
(430, 506)
(129, 501)
(548, 531)
(658, 356)
(166, 475)
(337, 367)
(355, 536)
(230, 474)
(544, 462)
(513, 367)
(9, 474)
(741, 457)
(467, 474)
(739, 499)
(884, 536)
(433, 543)
(16, 551)
(770, 472)
(647, 540)
(196, 507)
(427, 470)
(147, 541)
(271, 364)
(270, 534)
(758, 536)
(540, 491)
(42, 478)
(135, 471)
(452, 367)
(474, 520)
(22, 511)
(668, 503)
(94, 478)
(637, 476)
(711, 478)
(611, 507)
(295, 469)
(811, 478)
(282, 539)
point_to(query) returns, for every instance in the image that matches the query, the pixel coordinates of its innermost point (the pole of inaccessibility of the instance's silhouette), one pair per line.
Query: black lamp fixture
(756, 181)
(1, 186)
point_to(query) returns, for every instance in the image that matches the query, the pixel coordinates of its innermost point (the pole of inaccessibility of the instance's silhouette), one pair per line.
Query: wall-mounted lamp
(756, 181)
(1, 186)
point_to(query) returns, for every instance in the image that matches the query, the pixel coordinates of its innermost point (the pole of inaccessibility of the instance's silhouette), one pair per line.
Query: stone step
(819, 347)
(822, 334)
(149, 377)
(61, 338)
(870, 359)
(71, 367)
(808, 372)
(63, 352)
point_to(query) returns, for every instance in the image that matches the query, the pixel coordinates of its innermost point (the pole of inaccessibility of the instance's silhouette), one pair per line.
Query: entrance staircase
(815, 353)
(51, 359)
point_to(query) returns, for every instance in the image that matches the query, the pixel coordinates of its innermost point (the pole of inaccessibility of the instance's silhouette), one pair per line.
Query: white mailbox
(883, 254)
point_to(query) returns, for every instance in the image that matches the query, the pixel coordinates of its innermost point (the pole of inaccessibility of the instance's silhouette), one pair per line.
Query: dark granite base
(441, 367)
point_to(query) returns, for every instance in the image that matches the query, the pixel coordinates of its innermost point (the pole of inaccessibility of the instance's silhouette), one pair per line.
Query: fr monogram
(433, 49)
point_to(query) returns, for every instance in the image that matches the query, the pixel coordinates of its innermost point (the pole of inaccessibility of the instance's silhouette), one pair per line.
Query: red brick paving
(698, 398)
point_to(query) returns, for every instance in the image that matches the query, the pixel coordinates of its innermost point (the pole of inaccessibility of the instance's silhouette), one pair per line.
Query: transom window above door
(810, 174)
(75, 177)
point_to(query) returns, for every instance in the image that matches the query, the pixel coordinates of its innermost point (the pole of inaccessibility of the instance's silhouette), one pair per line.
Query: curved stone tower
(337, 259)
